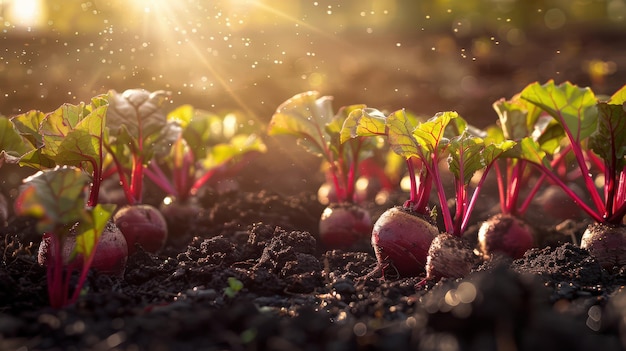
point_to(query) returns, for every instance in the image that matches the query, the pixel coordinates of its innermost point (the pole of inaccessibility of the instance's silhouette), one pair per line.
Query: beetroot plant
(506, 232)
(207, 147)
(310, 118)
(596, 136)
(136, 127)
(403, 236)
(72, 135)
(56, 198)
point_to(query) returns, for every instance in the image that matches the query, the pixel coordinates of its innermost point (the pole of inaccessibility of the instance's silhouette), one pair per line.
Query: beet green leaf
(12, 145)
(92, 228)
(573, 107)
(55, 197)
(305, 116)
(73, 135)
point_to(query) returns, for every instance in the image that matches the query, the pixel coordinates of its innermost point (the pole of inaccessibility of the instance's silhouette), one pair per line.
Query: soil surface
(298, 296)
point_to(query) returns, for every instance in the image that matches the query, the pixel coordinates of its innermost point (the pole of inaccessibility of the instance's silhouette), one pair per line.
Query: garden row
(548, 133)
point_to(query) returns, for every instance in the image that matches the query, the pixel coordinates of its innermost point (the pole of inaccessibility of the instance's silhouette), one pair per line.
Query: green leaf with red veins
(73, 134)
(400, 136)
(609, 140)
(493, 151)
(528, 149)
(135, 120)
(137, 110)
(573, 107)
(363, 122)
(471, 154)
(465, 155)
(334, 127)
(305, 116)
(457, 126)
(12, 145)
(89, 230)
(431, 135)
(55, 197)
(27, 125)
(363, 147)
(520, 118)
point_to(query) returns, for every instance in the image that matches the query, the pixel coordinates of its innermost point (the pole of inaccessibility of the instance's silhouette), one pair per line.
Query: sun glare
(26, 13)
(149, 6)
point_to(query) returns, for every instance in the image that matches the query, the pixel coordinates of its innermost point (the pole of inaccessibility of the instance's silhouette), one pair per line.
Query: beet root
(109, 258)
(143, 225)
(450, 256)
(607, 243)
(505, 234)
(401, 239)
(179, 215)
(343, 225)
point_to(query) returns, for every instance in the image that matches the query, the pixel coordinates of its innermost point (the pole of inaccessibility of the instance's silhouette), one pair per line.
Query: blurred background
(251, 55)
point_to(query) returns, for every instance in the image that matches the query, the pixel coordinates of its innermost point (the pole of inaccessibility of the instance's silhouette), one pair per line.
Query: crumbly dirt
(298, 296)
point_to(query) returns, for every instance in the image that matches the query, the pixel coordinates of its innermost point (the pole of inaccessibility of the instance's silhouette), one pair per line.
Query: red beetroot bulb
(343, 225)
(109, 258)
(607, 243)
(142, 224)
(505, 234)
(401, 238)
(450, 256)
(179, 214)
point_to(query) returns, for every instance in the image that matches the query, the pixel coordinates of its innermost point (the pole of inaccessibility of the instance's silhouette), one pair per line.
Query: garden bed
(296, 295)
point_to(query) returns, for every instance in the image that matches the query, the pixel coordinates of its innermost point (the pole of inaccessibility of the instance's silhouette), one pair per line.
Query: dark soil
(297, 296)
